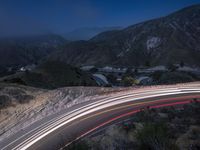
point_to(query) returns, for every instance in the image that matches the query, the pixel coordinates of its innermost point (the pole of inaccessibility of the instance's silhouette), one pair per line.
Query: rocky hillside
(171, 39)
(20, 106)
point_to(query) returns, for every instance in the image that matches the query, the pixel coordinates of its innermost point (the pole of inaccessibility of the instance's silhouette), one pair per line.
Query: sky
(61, 16)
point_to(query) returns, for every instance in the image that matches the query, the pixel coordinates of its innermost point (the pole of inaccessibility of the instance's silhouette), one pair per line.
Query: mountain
(87, 33)
(21, 51)
(50, 75)
(167, 40)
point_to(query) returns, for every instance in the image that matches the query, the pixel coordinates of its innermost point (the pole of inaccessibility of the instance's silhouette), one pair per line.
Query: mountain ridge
(87, 32)
(22, 51)
(162, 41)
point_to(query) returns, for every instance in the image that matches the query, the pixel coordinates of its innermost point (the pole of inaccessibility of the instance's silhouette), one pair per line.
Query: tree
(136, 70)
(147, 63)
(111, 78)
(128, 72)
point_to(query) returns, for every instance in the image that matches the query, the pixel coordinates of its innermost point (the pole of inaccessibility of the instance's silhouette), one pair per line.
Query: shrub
(157, 75)
(15, 80)
(14, 92)
(172, 67)
(155, 137)
(5, 101)
(175, 77)
(23, 98)
(111, 78)
(128, 81)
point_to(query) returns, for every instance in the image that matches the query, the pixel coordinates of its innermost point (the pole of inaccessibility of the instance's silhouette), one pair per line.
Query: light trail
(88, 110)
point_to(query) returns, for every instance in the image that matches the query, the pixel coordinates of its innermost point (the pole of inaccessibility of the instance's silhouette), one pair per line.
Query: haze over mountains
(87, 33)
(27, 50)
(162, 41)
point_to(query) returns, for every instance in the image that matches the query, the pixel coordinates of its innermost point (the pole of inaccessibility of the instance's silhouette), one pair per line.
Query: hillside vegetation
(52, 74)
(152, 129)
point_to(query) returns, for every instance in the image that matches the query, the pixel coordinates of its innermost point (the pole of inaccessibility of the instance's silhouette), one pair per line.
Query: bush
(23, 98)
(15, 80)
(111, 78)
(155, 137)
(14, 92)
(157, 75)
(175, 77)
(172, 67)
(128, 81)
(5, 101)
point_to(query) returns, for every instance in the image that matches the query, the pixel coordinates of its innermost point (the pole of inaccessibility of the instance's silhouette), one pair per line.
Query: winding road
(82, 119)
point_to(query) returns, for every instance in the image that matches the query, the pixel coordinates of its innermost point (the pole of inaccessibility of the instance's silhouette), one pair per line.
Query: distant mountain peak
(167, 40)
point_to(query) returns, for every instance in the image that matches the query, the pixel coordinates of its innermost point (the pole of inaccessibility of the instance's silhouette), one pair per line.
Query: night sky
(61, 16)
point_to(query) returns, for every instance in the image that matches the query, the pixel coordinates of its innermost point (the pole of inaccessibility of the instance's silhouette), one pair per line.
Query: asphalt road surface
(69, 125)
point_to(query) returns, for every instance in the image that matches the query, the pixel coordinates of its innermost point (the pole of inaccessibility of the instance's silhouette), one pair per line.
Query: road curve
(61, 129)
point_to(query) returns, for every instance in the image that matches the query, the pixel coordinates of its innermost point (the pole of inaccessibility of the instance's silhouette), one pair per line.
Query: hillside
(21, 106)
(21, 51)
(168, 40)
(50, 75)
